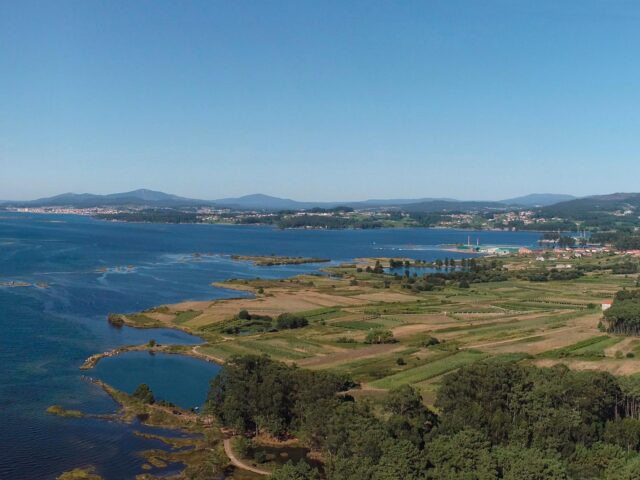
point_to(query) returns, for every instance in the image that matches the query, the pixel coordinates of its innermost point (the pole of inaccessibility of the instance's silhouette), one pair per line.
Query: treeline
(329, 222)
(468, 271)
(497, 421)
(245, 322)
(463, 272)
(623, 317)
(623, 239)
(551, 275)
(428, 219)
(548, 226)
(152, 216)
(338, 209)
(253, 394)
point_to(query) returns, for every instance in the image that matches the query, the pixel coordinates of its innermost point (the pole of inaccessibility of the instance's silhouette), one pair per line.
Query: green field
(429, 370)
(513, 319)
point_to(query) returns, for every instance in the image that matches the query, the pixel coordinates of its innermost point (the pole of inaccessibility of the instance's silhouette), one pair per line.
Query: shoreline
(170, 349)
(273, 227)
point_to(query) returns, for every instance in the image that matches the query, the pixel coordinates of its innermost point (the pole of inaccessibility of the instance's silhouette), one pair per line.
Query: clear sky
(320, 100)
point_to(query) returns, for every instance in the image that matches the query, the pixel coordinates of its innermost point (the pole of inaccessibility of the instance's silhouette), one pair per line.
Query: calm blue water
(163, 373)
(94, 268)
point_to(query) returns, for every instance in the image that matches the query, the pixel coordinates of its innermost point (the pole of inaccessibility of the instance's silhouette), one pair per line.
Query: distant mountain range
(433, 206)
(539, 199)
(266, 202)
(583, 207)
(141, 197)
(150, 198)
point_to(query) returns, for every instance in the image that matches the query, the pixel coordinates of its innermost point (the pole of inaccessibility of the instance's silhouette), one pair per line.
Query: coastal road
(235, 461)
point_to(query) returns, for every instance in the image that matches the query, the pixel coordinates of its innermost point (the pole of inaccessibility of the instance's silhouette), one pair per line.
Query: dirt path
(206, 356)
(236, 462)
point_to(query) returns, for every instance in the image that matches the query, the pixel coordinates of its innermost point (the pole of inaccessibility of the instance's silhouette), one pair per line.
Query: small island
(271, 260)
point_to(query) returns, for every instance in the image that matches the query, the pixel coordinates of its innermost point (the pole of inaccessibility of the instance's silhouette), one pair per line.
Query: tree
(297, 471)
(405, 401)
(465, 455)
(253, 394)
(518, 463)
(144, 394)
(400, 459)
(566, 241)
(409, 420)
(624, 432)
(592, 462)
(624, 469)
(290, 321)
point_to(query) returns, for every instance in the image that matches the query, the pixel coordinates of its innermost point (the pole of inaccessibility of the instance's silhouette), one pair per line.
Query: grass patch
(429, 370)
(140, 320)
(320, 314)
(590, 348)
(358, 325)
(183, 317)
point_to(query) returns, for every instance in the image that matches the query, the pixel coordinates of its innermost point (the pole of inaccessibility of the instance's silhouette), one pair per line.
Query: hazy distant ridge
(151, 198)
(539, 199)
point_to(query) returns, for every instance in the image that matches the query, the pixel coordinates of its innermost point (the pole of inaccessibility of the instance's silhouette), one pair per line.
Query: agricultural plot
(520, 320)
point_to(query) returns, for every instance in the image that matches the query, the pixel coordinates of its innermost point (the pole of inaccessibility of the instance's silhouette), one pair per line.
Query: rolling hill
(141, 197)
(597, 204)
(433, 206)
(538, 199)
(151, 198)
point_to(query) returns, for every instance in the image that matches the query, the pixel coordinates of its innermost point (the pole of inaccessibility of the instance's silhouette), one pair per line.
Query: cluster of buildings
(67, 210)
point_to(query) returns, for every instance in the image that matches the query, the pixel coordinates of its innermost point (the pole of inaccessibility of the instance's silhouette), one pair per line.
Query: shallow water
(93, 268)
(164, 373)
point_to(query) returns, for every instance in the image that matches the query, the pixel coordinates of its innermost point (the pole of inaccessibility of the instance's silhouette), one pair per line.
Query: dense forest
(497, 420)
(623, 239)
(624, 315)
(322, 221)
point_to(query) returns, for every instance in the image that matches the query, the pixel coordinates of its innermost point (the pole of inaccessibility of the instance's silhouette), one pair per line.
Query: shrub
(429, 341)
(290, 321)
(379, 336)
(345, 340)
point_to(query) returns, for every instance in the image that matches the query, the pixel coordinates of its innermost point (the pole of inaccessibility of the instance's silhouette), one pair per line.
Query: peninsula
(372, 332)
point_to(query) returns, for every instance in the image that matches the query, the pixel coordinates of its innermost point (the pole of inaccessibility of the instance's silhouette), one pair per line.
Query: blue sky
(322, 100)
